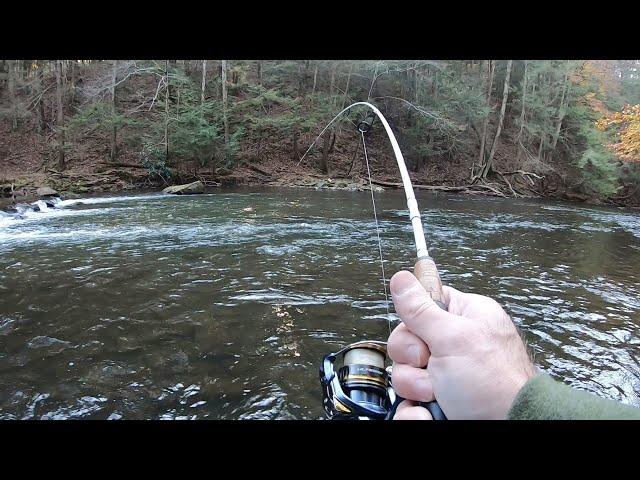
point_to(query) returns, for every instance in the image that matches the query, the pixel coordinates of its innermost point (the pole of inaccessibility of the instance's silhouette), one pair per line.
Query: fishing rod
(362, 387)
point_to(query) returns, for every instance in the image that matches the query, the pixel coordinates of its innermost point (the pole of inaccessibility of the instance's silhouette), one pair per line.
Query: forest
(566, 129)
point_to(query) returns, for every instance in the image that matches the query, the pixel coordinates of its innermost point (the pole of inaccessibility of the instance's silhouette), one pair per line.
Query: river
(221, 306)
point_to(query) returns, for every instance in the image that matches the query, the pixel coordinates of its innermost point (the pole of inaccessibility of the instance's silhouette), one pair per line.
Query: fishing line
(362, 387)
(375, 216)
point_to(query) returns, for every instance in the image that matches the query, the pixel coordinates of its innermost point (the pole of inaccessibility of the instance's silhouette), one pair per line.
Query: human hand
(476, 361)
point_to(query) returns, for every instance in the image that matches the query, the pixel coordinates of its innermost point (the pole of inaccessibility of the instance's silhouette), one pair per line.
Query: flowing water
(222, 305)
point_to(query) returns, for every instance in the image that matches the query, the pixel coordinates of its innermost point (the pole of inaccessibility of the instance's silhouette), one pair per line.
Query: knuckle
(419, 308)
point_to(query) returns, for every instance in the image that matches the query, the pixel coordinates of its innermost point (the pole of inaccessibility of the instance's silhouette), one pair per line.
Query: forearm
(543, 398)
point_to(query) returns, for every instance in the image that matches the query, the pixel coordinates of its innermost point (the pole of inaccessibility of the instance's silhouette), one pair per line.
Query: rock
(187, 189)
(70, 195)
(47, 192)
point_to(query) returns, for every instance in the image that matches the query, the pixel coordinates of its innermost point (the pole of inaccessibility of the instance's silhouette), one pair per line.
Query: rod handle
(427, 274)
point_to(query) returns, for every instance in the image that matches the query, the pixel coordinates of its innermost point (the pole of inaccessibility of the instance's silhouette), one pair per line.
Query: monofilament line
(375, 216)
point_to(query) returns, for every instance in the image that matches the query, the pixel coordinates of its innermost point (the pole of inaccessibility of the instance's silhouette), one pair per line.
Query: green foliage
(97, 115)
(598, 166)
(154, 160)
(437, 109)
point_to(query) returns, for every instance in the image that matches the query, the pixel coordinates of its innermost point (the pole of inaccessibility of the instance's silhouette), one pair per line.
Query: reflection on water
(222, 305)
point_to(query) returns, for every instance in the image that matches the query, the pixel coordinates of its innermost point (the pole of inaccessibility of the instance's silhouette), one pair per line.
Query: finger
(407, 410)
(406, 347)
(412, 383)
(418, 311)
(471, 305)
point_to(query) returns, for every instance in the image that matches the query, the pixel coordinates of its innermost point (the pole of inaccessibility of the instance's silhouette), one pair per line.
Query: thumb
(418, 311)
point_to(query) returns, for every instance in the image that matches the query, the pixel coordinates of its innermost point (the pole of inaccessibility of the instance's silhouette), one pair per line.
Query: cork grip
(427, 274)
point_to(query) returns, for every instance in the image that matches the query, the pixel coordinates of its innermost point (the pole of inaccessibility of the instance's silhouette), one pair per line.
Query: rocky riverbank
(115, 178)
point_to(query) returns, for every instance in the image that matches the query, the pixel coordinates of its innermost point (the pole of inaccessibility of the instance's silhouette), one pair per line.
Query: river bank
(124, 178)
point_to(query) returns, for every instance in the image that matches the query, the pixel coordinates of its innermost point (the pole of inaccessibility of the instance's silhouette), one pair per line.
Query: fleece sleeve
(543, 398)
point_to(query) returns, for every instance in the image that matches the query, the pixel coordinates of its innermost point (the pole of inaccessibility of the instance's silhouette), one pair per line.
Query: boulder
(47, 192)
(187, 189)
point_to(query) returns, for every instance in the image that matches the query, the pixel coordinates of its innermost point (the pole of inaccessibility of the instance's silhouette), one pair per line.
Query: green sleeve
(543, 398)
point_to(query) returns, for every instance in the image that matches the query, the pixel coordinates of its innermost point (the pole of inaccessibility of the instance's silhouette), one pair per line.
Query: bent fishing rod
(362, 387)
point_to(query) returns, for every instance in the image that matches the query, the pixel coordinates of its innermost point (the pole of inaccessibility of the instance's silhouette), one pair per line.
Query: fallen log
(420, 187)
(471, 189)
(121, 164)
(259, 170)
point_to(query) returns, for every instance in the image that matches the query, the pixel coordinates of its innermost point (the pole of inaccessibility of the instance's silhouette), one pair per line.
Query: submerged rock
(51, 344)
(187, 189)
(47, 192)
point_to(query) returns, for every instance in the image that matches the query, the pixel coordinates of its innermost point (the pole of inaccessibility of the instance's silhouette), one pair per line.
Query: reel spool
(361, 388)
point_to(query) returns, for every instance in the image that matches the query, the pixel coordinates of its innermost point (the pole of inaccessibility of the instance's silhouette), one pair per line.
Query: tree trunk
(73, 80)
(11, 87)
(296, 153)
(114, 131)
(483, 138)
(505, 96)
(204, 81)
(373, 81)
(332, 81)
(61, 161)
(260, 72)
(223, 72)
(315, 79)
(299, 79)
(166, 113)
(327, 144)
(346, 88)
(353, 159)
(522, 112)
(561, 111)
(42, 121)
(344, 97)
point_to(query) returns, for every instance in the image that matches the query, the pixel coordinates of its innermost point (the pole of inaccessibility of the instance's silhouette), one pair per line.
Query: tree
(225, 106)
(491, 66)
(114, 131)
(627, 126)
(505, 95)
(60, 124)
(204, 80)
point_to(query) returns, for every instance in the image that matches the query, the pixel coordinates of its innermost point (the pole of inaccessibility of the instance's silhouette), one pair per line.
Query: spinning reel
(361, 388)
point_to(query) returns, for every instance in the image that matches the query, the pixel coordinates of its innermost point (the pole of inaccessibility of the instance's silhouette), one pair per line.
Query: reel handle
(427, 274)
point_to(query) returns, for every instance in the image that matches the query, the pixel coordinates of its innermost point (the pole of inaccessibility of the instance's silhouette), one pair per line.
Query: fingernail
(401, 282)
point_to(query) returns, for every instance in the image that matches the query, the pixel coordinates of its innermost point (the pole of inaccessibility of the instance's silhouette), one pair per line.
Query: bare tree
(223, 72)
(204, 80)
(11, 87)
(114, 130)
(491, 66)
(260, 72)
(505, 95)
(522, 111)
(561, 110)
(166, 112)
(315, 78)
(60, 124)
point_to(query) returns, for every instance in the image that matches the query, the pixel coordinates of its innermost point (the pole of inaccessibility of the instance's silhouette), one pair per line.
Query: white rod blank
(412, 204)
